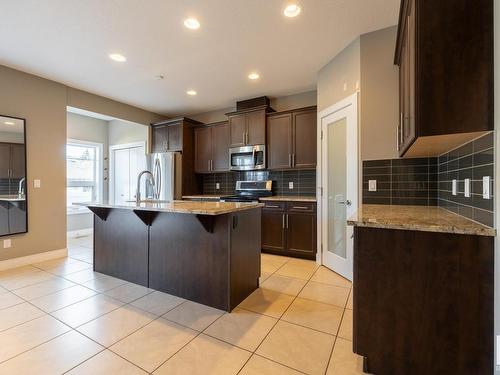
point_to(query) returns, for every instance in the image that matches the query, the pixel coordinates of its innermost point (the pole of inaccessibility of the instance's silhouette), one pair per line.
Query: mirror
(13, 192)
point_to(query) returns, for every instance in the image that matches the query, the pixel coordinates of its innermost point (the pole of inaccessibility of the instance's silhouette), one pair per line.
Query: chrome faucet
(138, 191)
(20, 191)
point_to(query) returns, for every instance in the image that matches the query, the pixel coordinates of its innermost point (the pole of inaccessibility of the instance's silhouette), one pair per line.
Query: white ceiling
(69, 41)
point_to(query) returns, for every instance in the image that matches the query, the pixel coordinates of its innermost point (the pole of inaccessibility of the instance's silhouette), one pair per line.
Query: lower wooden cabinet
(289, 228)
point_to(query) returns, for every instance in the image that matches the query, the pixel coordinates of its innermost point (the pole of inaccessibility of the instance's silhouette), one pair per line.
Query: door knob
(346, 202)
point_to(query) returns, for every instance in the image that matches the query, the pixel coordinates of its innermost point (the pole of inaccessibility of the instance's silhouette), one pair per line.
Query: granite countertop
(185, 207)
(11, 198)
(290, 198)
(204, 196)
(419, 218)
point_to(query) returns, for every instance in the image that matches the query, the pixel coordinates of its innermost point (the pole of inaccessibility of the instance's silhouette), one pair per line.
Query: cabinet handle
(271, 206)
(300, 208)
(286, 221)
(211, 165)
(289, 160)
(293, 160)
(246, 137)
(208, 161)
(283, 221)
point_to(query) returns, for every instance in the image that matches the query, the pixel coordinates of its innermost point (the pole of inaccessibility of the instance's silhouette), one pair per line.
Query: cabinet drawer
(301, 206)
(274, 206)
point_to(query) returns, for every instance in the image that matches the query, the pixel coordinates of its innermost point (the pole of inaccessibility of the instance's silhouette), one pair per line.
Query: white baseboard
(80, 233)
(30, 259)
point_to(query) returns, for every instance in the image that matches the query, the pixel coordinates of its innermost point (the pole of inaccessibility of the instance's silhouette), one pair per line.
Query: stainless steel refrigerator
(167, 171)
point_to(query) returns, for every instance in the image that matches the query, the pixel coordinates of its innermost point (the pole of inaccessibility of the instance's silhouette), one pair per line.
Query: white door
(126, 161)
(339, 182)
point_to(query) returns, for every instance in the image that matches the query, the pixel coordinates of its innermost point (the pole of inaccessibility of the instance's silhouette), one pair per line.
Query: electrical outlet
(37, 184)
(290, 185)
(372, 185)
(453, 187)
(467, 187)
(486, 187)
(217, 186)
(7, 244)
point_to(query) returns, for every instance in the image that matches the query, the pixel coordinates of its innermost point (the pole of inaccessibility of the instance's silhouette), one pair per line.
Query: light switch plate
(290, 185)
(467, 187)
(217, 186)
(372, 185)
(7, 244)
(486, 187)
(37, 184)
(453, 187)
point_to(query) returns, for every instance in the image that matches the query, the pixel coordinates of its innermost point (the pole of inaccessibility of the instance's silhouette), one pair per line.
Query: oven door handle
(254, 158)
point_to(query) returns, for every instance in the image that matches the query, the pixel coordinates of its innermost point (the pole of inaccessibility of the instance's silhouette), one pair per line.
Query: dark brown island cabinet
(177, 135)
(211, 144)
(444, 51)
(248, 127)
(423, 302)
(289, 228)
(291, 138)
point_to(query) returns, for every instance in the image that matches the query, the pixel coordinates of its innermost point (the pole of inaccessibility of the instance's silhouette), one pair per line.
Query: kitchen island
(207, 252)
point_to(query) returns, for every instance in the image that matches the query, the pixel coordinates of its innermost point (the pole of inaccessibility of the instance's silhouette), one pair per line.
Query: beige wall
(303, 99)
(340, 77)
(43, 104)
(379, 95)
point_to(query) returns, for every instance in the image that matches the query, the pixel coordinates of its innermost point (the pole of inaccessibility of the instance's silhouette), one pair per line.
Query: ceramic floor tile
(282, 259)
(283, 284)
(343, 361)
(346, 327)
(128, 292)
(206, 356)
(298, 270)
(23, 279)
(193, 315)
(53, 357)
(43, 289)
(54, 263)
(242, 328)
(271, 265)
(153, 344)
(81, 277)
(320, 316)
(18, 314)
(69, 268)
(334, 295)
(158, 303)
(26, 336)
(325, 276)
(263, 277)
(258, 365)
(267, 302)
(9, 299)
(106, 363)
(87, 310)
(63, 298)
(297, 347)
(102, 283)
(349, 301)
(114, 326)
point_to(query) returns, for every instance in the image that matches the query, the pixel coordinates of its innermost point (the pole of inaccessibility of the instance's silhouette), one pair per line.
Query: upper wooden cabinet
(247, 128)
(169, 135)
(444, 50)
(212, 148)
(12, 160)
(292, 138)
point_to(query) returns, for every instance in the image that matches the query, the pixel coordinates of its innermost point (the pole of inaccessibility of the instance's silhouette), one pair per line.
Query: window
(84, 181)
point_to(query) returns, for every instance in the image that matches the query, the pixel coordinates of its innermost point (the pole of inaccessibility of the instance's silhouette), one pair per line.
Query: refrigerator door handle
(158, 178)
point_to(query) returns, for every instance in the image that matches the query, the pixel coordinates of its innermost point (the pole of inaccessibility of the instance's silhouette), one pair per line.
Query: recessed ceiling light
(292, 10)
(191, 92)
(117, 57)
(253, 76)
(192, 23)
(9, 123)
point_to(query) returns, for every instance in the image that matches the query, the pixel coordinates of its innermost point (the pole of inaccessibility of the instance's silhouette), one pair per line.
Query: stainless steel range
(250, 191)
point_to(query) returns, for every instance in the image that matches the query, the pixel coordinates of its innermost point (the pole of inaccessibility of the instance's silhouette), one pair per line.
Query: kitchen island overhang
(206, 252)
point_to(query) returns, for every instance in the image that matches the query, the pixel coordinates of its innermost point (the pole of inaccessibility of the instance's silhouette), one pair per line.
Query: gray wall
(122, 132)
(11, 137)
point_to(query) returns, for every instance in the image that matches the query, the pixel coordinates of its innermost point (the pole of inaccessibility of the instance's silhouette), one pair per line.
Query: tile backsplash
(472, 161)
(304, 181)
(9, 186)
(401, 181)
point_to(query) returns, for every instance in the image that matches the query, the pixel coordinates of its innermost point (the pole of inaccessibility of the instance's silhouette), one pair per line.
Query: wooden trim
(30, 259)
(176, 120)
(254, 109)
(301, 109)
(403, 12)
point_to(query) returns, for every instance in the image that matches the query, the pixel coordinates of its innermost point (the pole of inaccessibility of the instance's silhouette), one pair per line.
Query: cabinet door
(256, 128)
(4, 160)
(175, 137)
(273, 230)
(304, 139)
(18, 161)
(4, 218)
(410, 131)
(237, 130)
(301, 234)
(160, 138)
(220, 148)
(202, 149)
(279, 135)
(17, 217)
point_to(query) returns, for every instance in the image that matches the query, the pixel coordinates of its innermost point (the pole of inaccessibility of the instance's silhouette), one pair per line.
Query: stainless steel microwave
(247, 158)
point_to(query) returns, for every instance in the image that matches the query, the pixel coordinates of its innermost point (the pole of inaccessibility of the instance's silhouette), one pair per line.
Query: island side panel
(121, 246)
(245, 259)
(188, 261)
